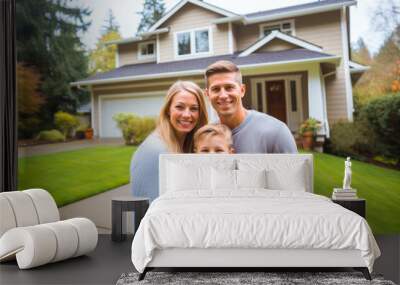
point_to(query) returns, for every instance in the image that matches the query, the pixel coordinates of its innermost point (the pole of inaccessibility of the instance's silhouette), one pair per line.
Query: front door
(276, 103)
(279, 96)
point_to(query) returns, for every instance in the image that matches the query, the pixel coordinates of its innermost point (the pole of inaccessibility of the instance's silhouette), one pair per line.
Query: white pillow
(293, 179)
(282, 174)
(182, 177)
(223, 179)
(251, 178)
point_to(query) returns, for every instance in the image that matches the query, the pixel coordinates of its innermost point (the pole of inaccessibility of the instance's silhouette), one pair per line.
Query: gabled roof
(182, 3)
(302, 7)
(284, 37)
(286, 12)
(228, 16)
(182, 68)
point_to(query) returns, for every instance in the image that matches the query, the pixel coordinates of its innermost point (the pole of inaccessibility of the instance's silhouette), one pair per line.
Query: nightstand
(139, 205)
(356, 205)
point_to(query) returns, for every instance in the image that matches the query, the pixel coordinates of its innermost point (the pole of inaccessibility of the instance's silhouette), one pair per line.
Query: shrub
(145, 127)
(51, 136)
(65, 122)
(350, 139)
(382, 116)
(134, 128)
(82, 128)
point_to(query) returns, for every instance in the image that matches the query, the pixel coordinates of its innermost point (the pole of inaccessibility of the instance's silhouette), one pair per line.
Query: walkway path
(98, 209)
(59, 147)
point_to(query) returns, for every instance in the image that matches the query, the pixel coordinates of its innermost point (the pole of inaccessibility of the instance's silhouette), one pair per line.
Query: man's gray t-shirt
(261, 133)
(144, 167)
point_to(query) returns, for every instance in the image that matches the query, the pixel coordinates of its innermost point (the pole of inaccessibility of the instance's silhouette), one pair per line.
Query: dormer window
(146, 50)
(286, 27)
(193, 42)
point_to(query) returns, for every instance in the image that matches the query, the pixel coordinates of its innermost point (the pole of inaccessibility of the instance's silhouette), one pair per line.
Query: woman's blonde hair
(164, 126)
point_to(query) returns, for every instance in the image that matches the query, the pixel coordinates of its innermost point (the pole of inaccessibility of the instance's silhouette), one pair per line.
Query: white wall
(148, 104)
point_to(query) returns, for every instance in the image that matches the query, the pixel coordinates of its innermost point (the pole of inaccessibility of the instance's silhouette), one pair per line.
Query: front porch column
(315, 96)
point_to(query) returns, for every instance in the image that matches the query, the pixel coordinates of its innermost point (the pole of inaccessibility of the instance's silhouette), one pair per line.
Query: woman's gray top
(144, 167)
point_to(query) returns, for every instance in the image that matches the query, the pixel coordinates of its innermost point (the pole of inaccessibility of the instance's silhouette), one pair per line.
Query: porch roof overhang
(193, 67)
(357, 68)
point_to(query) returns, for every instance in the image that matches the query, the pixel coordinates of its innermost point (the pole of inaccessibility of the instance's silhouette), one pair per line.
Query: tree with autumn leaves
(102, 58)
(396, 73)
(383, 77)
(29, 99)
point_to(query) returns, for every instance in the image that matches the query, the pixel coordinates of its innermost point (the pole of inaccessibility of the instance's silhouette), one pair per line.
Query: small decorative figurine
(347, 175)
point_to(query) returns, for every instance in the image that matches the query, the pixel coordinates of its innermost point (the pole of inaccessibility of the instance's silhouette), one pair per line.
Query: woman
(183, 112)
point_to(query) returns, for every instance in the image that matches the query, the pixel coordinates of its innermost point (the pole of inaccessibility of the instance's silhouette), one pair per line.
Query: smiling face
(225, 94)
(183, 112)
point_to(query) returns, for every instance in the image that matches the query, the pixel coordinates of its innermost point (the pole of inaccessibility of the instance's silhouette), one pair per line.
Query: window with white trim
(286, 27)
(194, 42)
(147, 50)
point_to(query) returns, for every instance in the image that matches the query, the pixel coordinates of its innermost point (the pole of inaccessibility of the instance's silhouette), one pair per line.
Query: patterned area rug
(242, 278)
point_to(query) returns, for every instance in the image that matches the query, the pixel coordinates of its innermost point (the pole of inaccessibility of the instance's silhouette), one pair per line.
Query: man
(253, 132)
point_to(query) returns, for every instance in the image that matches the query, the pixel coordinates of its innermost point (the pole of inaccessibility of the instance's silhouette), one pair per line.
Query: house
(295, 62)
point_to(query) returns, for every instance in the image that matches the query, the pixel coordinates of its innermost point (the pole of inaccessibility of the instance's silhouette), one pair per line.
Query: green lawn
(73, 175)
(379, 186)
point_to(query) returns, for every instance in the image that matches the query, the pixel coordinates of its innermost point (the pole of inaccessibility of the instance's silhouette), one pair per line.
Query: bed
(247, 210)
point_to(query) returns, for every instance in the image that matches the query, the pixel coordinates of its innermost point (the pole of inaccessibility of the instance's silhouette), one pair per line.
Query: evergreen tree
(47, 39)
(152, 12)
(110, 24)
(360, 53)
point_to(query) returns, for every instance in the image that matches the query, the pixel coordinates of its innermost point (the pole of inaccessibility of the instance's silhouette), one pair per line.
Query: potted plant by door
(80, 132)
(308, 130)
(89, 133)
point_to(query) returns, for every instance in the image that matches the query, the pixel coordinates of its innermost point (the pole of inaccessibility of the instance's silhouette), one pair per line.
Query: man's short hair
(212, 130)
(223, 66)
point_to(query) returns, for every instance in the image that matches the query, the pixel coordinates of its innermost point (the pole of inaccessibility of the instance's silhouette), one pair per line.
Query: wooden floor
(111, 259)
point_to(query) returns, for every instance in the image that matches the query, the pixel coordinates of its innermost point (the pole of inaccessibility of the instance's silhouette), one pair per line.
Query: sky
(125, 12)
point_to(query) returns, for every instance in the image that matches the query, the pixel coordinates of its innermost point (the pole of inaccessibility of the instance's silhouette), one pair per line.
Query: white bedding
(251, 218)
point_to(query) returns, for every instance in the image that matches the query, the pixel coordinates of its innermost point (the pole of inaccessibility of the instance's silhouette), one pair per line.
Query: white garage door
(148, 105)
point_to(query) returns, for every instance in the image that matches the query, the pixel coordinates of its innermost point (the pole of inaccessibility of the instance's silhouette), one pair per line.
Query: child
(213, 138)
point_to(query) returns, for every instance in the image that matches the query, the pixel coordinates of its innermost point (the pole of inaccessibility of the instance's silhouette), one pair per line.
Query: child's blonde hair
(212, 130)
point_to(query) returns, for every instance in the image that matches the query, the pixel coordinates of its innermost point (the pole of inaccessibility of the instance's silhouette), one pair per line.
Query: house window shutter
(259, 97)
(293, 95)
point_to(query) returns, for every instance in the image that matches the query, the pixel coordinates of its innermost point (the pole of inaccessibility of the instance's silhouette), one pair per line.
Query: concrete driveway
(65, 146)
(98, 207)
